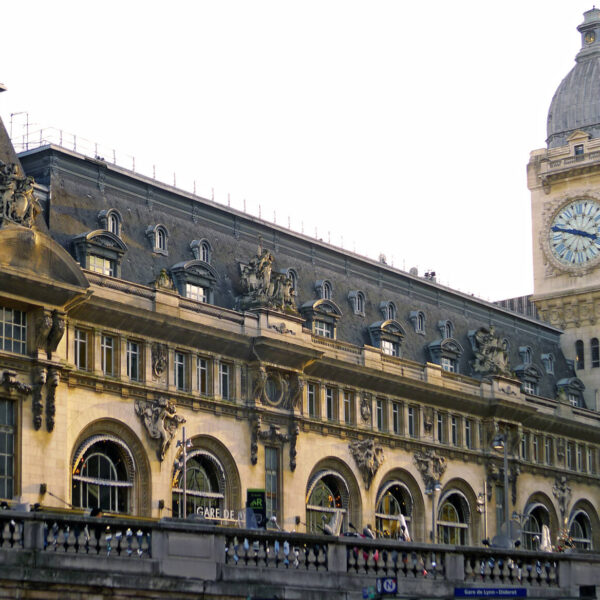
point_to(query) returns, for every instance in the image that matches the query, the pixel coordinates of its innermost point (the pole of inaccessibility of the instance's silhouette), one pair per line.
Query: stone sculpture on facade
(368, 457)
(161, 422)
(50, 328)
(159, 359)
(17, 201)
(431, 466)
(263, 288)
(562, 493)
(365, 407)
(37, 407)
(294, 432)
(163, 281)
(10, 382)
(53, 381)
(491, 355)
(274, 388)
(495, 476)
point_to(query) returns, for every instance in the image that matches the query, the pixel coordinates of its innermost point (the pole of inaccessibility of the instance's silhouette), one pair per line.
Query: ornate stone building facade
(351, 392)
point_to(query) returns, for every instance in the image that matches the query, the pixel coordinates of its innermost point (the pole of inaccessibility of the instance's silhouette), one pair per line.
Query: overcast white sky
(404, 127)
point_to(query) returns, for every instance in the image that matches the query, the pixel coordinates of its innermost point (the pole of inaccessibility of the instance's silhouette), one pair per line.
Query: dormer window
(388, 310)
(194, 279)
(548, 362)
(525, 354)
(159, 238)
(578, 150)
(293, 277)
(446, 352)
(446, 329)
(111, 220)
(202, 250)
(357, 301)
(417, 318)
(387, 336)
(321, 317)
(100, 251)
(572, 388)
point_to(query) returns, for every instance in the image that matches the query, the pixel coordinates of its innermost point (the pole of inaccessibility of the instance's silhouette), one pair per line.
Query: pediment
(578, 136)
(198, 268)
(103, 239)
(323, 306)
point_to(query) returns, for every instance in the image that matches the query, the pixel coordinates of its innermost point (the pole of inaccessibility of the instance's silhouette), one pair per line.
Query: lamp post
(433, 487)
(501, 443)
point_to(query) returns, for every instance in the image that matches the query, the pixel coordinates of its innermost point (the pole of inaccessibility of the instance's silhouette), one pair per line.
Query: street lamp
(500, 442)
(432, 488)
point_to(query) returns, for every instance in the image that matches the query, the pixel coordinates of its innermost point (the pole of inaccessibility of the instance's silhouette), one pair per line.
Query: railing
(571, 160)
(181, 550)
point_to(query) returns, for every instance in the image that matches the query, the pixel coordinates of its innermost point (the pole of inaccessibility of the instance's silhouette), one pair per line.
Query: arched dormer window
(159, 238)
(194, 279)
(530, 375)
(111, 220)
(548, 362)
(100, 251)
(446, 329)
(525, 354)
(202, 250)
(387, 335)
(324, 289)
(388, 310)
(417, 318)
(579, 355)
(446, 353)
(357, 301)
(571, 389)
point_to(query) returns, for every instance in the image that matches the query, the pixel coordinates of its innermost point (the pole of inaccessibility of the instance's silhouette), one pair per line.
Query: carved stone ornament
(161, 422)
(10, 383)
(50, 328)
(365, 407)
(274, 388)
(273, 435)
(368, 457)
(491, 355)
(53, 381)
(294, 432)
(263, 288)
(560, 449)
(163, 281)
(17, 201)
(431, 466)
(159, 359)
(281, 328)
(562, 493)
(428, 419)
(37, 406)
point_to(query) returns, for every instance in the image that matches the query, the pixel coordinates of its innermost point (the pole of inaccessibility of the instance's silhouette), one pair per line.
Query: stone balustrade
(188, 558)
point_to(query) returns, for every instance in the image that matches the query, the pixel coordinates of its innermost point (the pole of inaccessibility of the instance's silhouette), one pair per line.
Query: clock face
(574, 234)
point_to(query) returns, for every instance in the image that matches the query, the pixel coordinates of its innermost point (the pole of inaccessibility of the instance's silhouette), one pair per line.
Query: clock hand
(592, 236)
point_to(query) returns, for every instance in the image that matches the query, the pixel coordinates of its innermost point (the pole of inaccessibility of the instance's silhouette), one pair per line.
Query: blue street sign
(490, 592)
(387, 585)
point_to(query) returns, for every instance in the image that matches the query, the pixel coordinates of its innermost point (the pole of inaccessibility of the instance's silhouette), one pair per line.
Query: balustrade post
(455, 567)
(33, 535)
(337, 558)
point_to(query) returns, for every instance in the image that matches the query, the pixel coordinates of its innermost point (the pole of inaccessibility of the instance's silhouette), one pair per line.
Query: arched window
(205, 485)
(391, 311)
(453, 520)
(360, 303)
(205, 251)
(326, 290)
(103, 475)
(580, 530)
(420, 328)
(161, 239)
(113, 223)
(327, 503)
(579, 357)
(537, 517)
(393, 511)
(595, 353)
(448, 329)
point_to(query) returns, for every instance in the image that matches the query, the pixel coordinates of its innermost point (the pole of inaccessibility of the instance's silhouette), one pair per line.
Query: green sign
(256, 501)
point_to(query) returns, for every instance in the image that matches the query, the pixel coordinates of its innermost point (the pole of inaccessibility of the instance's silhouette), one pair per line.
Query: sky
(393, 127)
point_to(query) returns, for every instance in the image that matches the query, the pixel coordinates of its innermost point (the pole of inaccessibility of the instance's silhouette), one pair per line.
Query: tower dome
(576, 102)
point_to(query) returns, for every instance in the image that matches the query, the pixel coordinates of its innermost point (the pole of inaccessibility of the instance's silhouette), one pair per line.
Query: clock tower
(564, 180)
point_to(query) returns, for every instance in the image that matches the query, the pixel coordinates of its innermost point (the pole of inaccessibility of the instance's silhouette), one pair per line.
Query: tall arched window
(205, 484)
(580, 530)
(393, 511)
(537, 517)
(205, 251)
(103, 475)
(420, 322)
(326, 290)
(293, 276)
(595, 353)
(327, 503)
(113, 223)
(453, 520)
(391, 311)
(448, 329)
(579, 357)
(161, 239)
(360, 303)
